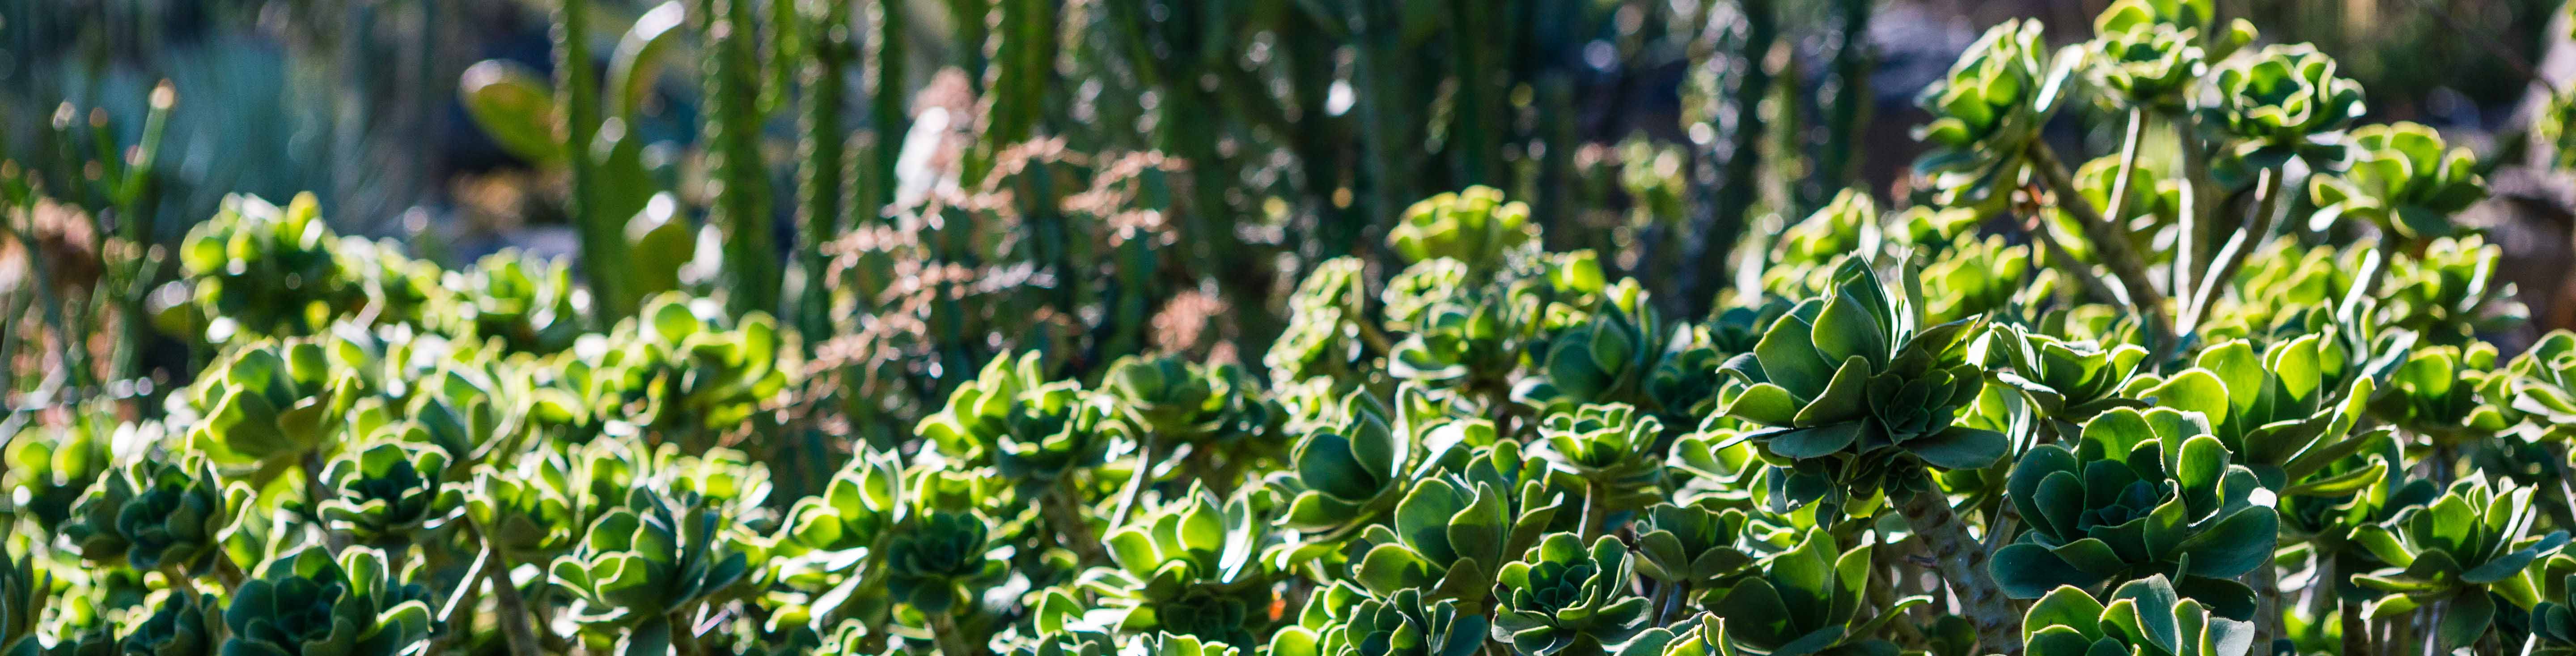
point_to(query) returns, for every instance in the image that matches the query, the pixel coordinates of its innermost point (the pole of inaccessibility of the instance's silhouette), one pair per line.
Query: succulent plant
(261, 270)
(646, 561)
(1610, 447)
(2447, 393)
(1319, 339)
(935, 562)
(1035, 432)
(2450, 292)
(156, 515)
(2464, 551)
(24, 592)
(2145, 617)
(1404, 624)
(272, 401)
(2284, 101)
(531, 510)
(855, 514)
(1472, 347)
(2149, 63)
(1167, 395)
(2553, 622)
(2140, 494)
(308, 604)
(1475, 227)
(2068, 381)
(1986, 111)
(1976, 277)
(2401, 180)
(390, 491)
(1607, 359)
(1803, 261)
(1350, 473)
(1694, 545)
(1412, 293)
(1450, 538)
(2278, 412)
(510, 296)
(679, 372)
(2543, 383)
(1561, 596)
(1851, 374)
(1805, 600)
(1190, 569)
(180, 625)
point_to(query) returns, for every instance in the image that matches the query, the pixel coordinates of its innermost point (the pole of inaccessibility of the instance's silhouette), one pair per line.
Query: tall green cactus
(603, 240)
(821, 158)
(741, 203)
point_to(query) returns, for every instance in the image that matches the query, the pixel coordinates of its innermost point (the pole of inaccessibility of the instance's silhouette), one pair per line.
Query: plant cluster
(2047, 411)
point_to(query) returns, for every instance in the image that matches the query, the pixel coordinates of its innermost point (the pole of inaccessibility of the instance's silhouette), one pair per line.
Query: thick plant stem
(2109, 242)
(1962, 563)
(943, 630)
(1595, 511)
(512, 609)
(1074, 531)
(2266, 581)
(2231, 257)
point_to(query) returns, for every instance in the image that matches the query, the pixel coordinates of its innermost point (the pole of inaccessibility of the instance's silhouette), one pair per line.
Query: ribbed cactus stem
(821, 161)
(603, 236)
(742, 199)
(1961, 561)
(887, 116)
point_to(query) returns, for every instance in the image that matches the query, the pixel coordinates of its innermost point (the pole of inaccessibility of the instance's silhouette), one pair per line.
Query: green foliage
(2140, 494)
(1560, 596)
(2400, 179)
(2284, 101)
(309, 603)
(2145, 616)
(1851, 378)
(1043, 392)
(2465, 550)
(1806, 600)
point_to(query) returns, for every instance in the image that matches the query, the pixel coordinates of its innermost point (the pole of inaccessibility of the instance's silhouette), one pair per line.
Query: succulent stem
(1065, 515)
(943, 630)
(2110, 244)
(512, 609)
(1595, 511)
(2232, 256)
(1963, 565)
